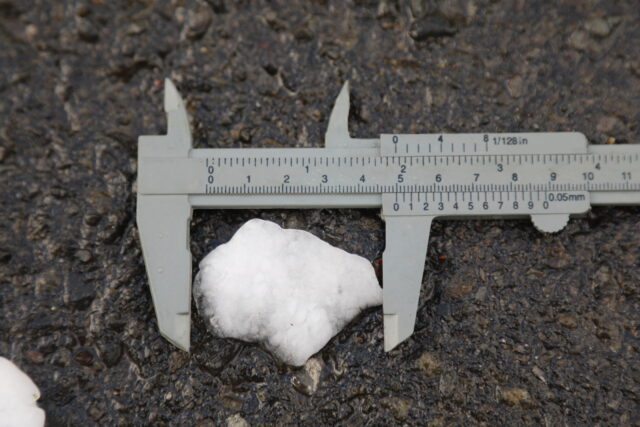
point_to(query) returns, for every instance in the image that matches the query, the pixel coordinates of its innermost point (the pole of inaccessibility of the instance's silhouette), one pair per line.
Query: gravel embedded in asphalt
(513, 326)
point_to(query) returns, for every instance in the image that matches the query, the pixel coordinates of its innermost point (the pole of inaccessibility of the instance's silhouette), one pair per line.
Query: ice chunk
(286, 289)
(18, 395)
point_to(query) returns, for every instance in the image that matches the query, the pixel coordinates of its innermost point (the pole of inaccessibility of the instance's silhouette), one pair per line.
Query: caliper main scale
(414, 178)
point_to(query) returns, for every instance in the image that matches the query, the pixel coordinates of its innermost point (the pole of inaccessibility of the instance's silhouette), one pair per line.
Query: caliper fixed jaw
(163, 222)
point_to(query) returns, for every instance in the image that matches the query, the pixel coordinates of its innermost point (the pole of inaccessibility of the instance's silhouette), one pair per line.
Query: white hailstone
(18, 395)
(286, 289)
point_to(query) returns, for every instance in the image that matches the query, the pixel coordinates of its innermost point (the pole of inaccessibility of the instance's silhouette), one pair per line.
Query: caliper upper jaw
(163, 222)
(177, 142)
(337, 135)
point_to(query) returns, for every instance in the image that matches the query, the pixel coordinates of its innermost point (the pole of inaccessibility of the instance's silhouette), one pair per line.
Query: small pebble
(236, 420)
(599, 26)
(517, 397)
(35, 357)
(198, 24)
(431, 26)
(429, 364)
(83, 255)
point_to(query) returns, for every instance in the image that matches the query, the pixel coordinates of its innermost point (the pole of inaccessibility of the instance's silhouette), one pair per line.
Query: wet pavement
(513, 327)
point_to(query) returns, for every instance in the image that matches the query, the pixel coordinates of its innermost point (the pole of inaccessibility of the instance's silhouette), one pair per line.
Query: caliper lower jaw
(403, 260)
(163, 223)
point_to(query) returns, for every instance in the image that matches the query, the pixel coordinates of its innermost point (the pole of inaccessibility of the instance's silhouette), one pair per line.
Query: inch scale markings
(414, 178)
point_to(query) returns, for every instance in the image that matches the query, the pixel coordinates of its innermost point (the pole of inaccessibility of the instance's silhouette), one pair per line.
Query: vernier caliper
(413, 177)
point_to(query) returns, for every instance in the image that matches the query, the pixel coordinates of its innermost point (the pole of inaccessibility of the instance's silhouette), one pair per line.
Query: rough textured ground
(514, 327)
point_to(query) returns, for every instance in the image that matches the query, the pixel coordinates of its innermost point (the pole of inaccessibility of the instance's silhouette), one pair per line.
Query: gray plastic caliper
(413, 177)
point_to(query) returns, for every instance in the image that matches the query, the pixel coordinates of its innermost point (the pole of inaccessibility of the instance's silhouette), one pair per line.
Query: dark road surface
(514, 327)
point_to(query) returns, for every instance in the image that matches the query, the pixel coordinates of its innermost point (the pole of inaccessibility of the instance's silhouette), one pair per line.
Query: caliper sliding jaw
(172, 182)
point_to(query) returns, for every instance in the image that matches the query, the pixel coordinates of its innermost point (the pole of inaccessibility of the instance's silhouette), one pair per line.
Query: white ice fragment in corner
(18, 395)
(286, 289)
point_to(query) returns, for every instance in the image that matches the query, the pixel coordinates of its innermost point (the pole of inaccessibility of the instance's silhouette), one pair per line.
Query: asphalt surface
(514, 327)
